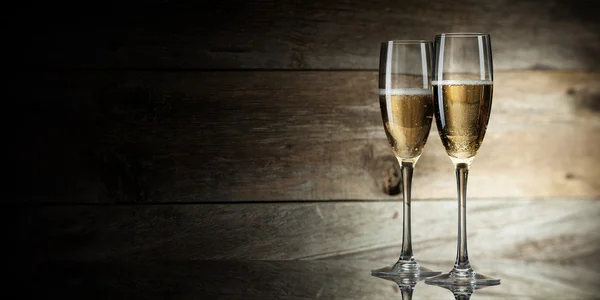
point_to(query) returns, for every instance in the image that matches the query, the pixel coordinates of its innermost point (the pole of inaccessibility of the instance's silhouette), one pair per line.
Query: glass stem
(407, 172)
(462, 266)
(407, 293)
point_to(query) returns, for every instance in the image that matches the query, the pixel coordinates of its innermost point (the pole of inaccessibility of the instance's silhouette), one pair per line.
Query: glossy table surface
(299, 279)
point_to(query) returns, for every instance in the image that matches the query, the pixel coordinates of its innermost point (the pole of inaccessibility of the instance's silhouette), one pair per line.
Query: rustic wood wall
(141, 124)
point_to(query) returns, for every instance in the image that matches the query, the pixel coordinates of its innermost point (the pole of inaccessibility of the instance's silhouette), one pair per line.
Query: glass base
(405, 268)
(462, 278)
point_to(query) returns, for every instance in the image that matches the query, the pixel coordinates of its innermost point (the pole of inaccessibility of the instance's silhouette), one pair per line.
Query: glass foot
(402, 282)
(462, 278)
(405, 269)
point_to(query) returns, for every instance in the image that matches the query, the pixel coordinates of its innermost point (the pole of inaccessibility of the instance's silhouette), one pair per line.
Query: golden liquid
(407, 120)
(462, 112)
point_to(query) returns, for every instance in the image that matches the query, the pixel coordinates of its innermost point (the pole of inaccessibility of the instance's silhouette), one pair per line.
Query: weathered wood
(291, 34)
(557, 231)
(290, 280)
(245, 136)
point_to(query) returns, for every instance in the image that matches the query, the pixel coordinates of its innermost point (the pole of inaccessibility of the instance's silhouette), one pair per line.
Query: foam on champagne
(462, 82)
(406, 91)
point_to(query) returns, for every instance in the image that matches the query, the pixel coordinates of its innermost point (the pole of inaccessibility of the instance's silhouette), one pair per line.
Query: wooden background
(251, 130)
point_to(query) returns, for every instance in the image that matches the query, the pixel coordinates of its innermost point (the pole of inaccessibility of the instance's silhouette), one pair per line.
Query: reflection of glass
(463, 292)
(406, 105)
(406, 284)
(462, 89)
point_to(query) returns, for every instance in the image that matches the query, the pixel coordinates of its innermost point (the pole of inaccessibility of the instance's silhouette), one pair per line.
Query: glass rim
(461, 34)
(407, 41)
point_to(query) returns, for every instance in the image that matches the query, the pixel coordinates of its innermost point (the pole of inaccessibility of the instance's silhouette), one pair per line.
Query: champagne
(462, 112)
(407, 116)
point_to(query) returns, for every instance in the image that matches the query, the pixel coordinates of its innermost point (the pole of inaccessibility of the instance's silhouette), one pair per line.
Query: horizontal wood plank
(553, 231)
(290, 280)
(139, 137)
(273, 34)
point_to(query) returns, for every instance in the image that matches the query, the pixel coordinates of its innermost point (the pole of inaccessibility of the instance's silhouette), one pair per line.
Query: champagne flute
(406, 105)
(462, 93)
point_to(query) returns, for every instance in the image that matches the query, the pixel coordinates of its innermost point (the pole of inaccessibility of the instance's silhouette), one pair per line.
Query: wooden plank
(554, 231)
(290, 280)
(273, 34)
(140, 137)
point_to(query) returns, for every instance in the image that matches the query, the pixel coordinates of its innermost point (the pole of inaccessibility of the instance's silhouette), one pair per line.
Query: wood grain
(554, 231)
(140, 137)
(273, 34)
(290, 280)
